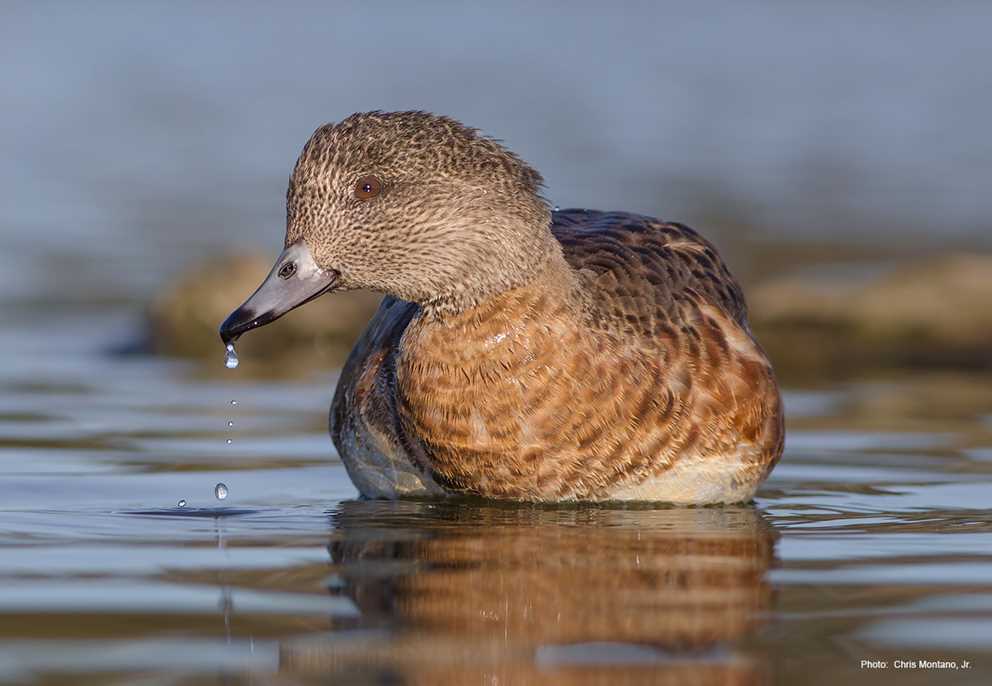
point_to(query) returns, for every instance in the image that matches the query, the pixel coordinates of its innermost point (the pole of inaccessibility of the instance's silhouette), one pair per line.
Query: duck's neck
(511, 330)
(534, 261)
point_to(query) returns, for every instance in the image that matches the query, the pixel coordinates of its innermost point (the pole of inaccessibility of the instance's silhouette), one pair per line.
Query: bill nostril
(287, 270)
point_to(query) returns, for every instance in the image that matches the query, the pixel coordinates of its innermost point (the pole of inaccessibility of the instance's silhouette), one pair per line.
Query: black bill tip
(242, 320)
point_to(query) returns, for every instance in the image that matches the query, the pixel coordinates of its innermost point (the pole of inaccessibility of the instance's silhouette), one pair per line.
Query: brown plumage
(522, 353)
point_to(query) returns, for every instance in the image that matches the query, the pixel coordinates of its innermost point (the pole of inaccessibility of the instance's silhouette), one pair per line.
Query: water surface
(872, 540)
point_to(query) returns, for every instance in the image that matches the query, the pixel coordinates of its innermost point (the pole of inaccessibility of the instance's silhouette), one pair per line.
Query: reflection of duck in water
(523, 354)
(494, 590)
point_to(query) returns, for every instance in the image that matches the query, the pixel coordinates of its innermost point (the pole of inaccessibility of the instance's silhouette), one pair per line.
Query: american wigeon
(521, 352)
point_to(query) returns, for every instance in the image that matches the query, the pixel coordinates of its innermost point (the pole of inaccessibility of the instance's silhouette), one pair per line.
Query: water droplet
(231, 358)
(220, 491)
(234, 402)
(181, 504)
(230, 424)
(556, 209)
(229, 441)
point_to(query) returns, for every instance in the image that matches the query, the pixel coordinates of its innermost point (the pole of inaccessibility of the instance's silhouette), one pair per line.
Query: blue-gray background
(138, 138)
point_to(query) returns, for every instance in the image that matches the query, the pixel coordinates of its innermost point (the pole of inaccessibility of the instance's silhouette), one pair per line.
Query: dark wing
(365, 397)
(645, 270)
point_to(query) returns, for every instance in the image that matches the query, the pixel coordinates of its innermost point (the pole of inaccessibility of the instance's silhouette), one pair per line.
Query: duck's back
(645, 270)
(648, 387)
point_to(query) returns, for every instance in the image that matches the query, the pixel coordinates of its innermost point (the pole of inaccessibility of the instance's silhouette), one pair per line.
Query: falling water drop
(220, 491)
(229, 441)
(234, 402)
(181, 504)
(231, 357)
(556, 209)
(230, 424)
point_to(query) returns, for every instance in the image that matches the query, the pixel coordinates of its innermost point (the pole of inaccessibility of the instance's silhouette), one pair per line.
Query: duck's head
(407, 203)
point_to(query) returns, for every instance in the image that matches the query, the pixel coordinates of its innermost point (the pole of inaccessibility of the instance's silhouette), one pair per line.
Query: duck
(521, 352)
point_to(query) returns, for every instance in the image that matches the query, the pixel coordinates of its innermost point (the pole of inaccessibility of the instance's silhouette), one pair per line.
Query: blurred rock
(935, 312)
(185, 317)
(831, 320)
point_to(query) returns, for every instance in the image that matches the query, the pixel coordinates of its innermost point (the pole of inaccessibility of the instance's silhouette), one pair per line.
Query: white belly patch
(696, 481)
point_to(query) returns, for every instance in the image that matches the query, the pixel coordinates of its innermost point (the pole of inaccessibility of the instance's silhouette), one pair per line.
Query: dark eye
(287, 270)
(367, 187)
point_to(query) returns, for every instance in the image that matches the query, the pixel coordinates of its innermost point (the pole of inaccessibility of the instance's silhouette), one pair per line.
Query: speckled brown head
(407, 203)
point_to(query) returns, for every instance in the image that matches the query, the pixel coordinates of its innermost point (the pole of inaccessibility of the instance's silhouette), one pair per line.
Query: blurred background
(838, 154)
(141, 140)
